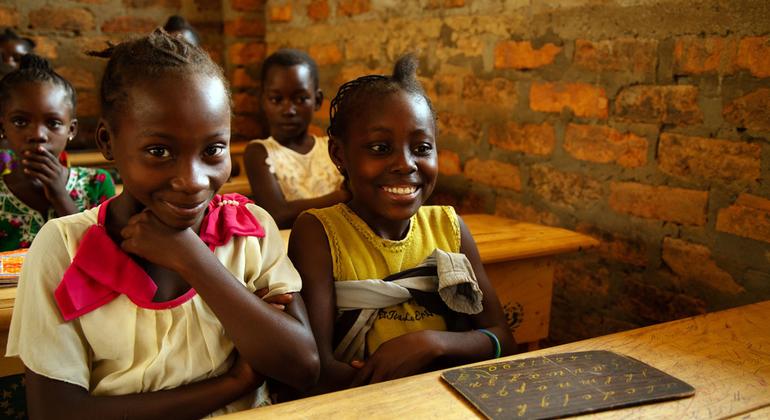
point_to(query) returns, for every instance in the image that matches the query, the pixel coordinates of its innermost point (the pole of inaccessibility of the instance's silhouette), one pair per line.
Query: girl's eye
(215, 150)
(19, 122)
(424, 149)
(54, 124)
(159, 152)
(379, 148)
(301, 100)
(274, 99)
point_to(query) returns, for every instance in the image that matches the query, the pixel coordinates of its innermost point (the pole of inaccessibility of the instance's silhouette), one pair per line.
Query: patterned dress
(19, 223)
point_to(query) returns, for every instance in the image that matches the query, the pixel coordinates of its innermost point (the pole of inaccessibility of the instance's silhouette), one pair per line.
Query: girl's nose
(191, 178)
(38, 134)
(289, 108)
(404, 162)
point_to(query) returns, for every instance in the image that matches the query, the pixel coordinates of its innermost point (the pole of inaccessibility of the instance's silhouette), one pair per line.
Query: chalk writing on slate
(563, 384)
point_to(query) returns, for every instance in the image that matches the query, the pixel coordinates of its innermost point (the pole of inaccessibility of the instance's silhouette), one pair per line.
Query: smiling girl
(383, 136)
(147, 306)
(37, 118)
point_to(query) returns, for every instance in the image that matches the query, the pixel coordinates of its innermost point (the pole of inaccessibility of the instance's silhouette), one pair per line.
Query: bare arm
(315, 268)
(391, 361)
(267, 193)
(52, 399)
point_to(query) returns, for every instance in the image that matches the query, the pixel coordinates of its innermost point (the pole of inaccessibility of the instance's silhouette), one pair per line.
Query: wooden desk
(724, 355)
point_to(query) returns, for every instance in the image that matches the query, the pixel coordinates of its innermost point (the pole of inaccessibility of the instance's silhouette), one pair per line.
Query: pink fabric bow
(101, 271)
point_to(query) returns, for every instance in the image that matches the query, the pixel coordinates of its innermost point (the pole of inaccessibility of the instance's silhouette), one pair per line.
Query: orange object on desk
(10, 266)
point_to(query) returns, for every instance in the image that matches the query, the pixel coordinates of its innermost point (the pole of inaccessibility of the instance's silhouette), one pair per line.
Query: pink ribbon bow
(101, 271)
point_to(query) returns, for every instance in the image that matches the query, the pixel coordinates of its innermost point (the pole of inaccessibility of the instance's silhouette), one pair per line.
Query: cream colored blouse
(302, 176)
(121, 348)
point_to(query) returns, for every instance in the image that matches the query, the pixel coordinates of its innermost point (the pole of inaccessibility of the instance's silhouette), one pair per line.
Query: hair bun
(36, 62)
(405, 68)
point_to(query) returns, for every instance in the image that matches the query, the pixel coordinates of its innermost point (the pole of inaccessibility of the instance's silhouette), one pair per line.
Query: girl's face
(170, 144)
(289, 99)
(390, 157)
(11, 52)
(38, 114)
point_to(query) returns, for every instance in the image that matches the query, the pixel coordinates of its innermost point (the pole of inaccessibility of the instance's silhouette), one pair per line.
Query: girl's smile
(390, 157)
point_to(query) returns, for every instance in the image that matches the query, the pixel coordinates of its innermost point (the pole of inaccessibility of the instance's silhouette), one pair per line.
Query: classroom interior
(638, 129)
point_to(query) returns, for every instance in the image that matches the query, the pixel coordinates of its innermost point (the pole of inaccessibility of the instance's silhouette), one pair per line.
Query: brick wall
(232, 31)
(644, 124)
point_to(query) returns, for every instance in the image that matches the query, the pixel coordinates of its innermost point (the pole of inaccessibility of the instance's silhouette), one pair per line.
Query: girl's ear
(104, 139)
(336, 154)
(319, 99)
(73, 129)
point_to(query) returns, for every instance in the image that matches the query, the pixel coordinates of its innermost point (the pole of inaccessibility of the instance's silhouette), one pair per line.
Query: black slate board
(563, 384)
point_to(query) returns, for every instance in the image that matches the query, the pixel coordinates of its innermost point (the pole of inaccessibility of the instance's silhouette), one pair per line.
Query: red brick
(659, 104)
(638, 56)
(80, 20)
(461, 127)
(9, 17)
(749, 217)
(246, 127)
(583, 99)
(754, 55)
(280, 13)
(615, 247)
(129, 24)
(247, 5)
(751, 111)
(242, 79)
(472, 203)
(494, 173)
(325, 54)
(245, 103)
(169, 4)
(88, 104)
(209, 5)
(47, 47)
(654, 304)
(706, 158)
(245, 27)
(521, 55)
(498, 91)
(595, 143)
(569, 189)
(352, 7)
(88, 43)
(516, 210)
(533, 139)
(694, 265)
(318, 10)
(242, 53)
(697, 55)
(323, 111)
(575, 280)
(448, 163)
(78, 77)
(670, 204)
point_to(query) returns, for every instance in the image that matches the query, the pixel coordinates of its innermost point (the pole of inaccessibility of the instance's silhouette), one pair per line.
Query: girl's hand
(147, 237)
(42, 165)
(402, 356)
(244, 375)
(277, 301)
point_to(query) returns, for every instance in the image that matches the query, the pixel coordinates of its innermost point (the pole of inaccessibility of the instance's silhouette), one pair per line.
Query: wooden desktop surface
(724, 355)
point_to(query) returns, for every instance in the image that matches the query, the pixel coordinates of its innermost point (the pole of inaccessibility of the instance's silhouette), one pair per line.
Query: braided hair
(149, 57)
(178, 23)
(352, 97)
(287, 57)
(34, 69)
(9, 35)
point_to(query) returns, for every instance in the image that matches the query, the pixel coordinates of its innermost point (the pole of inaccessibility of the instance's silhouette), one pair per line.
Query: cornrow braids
(352, 97)
(34, 69)
(287, 57)
(146, 58)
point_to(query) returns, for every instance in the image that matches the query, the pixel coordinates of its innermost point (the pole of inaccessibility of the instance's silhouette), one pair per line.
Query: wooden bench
(724, 355)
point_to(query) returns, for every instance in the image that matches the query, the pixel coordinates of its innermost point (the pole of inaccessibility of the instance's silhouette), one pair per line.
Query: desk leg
(524, 288)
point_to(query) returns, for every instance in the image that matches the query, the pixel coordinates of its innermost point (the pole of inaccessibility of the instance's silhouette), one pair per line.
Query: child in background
(37, 119)
(383, 134)
(12, 48)
(137, 307)
(179, 27)
(290, 171)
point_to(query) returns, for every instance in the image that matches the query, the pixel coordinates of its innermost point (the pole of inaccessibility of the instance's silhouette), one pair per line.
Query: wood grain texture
(724, 355)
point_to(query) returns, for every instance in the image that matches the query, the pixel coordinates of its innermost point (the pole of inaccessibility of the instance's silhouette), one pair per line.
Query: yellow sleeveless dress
(359, 254)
